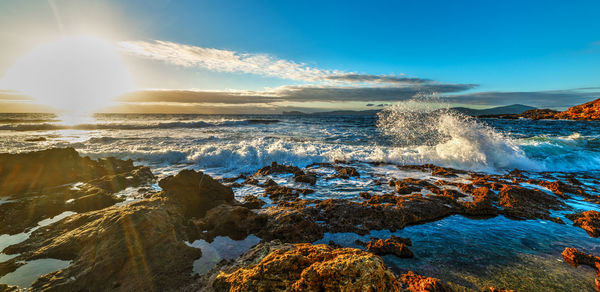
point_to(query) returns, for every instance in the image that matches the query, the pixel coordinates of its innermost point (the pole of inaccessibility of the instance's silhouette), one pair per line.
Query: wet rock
(36, 171)
(291, 225)
(575, 258)
(588, 221)
(250, 181)
(252, 202)
(270, 183)
(306, 178)
(139, 246)
(94, 201)
(196, 192)
(277, 193)
(482, 204)
(346, 172)
(306, 267)
(36, 139)
(275, 168)
(405, 188)
(237, 222)
(521, 202)
(418, 283)
(397, 246)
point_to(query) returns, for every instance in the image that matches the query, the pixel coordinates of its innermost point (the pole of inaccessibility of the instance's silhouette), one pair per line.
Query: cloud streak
(222, 60)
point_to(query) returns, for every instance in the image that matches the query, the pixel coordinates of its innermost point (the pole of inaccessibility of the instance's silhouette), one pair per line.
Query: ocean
(468, 251)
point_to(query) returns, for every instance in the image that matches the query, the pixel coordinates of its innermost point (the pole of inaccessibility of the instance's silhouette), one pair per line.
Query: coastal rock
(395, 245)
(196, 192)
(306, 267)
(587, 112)
(306, 178)
(588, 221)
(6, 288)
(277, 193)
(405, 188)
(275, 168)
(252, 202)
(418, 283)
(575, 258)
(346, 172)
(521, 202)
(123, 246)
(35, 171)
(90, 185)
(237, 222)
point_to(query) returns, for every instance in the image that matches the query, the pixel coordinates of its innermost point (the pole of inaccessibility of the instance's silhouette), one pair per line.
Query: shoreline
(282, 214)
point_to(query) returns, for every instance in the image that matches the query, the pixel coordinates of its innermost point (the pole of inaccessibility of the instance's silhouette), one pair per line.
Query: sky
(270, 56)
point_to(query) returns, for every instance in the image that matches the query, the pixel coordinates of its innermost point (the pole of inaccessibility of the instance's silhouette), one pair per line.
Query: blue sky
(545, 48)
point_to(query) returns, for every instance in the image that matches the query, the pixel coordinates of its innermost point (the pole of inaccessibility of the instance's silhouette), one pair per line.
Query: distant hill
(513, 109)
(334, 113)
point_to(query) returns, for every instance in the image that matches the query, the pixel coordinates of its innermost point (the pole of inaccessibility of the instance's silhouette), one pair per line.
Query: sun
(76, 74)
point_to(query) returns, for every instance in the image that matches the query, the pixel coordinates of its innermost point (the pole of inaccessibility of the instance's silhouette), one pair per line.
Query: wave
(132, 126)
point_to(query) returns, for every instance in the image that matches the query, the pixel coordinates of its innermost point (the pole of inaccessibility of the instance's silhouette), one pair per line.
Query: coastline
(165, 219)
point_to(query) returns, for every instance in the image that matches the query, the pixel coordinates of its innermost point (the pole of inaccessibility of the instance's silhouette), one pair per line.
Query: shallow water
(478, 253)
(25, 275)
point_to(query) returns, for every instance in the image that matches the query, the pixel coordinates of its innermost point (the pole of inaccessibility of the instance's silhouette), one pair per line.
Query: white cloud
(223, 60)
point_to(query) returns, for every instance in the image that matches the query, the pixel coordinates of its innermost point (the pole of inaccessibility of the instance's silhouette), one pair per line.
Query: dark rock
(306, 178)
(237, 222)
(397, 246)
(196, 192)
(275, 168)
(252, 202)
(575, 258)
(346, 172)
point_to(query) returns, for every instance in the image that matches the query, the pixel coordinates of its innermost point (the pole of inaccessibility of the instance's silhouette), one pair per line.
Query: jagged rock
(49, 195)
(139, 246)
(196, 192)
(237, 222)
(277, 192)
(527, 203)
(306, 267)
(275, 168)
(588, 111)
(418, 283)
(575, 258)
(252, 202)
(270, 183)
(588, 221)
(346, 172)
(395, 245)
(36, 171)
(306, 178)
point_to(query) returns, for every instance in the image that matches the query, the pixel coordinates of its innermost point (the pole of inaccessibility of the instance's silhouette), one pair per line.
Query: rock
(94, 201)
(397, 246)
(275, 168)
(277, 193)
(405, 189)
(35, 171)
(494, 289)
(588, 221)
(250, 181)
(418, 283)
(306, 178)
(6, 288)
(196, 192)
(237, 222)
(521, 202)
(482, 204)
(270, 183)
(36, 139)
(306, 267)
(575, 258)
(291, 225)
(587, 112)
(252, 202)
(346, 172)
(139, 246)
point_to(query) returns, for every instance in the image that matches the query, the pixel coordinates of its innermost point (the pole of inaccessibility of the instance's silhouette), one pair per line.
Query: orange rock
(587, 111)
(418, 283)
(575, 258)
(588, 221)
(308, 267)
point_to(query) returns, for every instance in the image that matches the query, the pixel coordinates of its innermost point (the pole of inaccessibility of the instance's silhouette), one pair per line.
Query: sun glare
(80, 74)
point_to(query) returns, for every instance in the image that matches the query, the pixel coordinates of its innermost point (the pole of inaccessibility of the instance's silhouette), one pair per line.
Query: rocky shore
(144, 243)
(589, 111)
